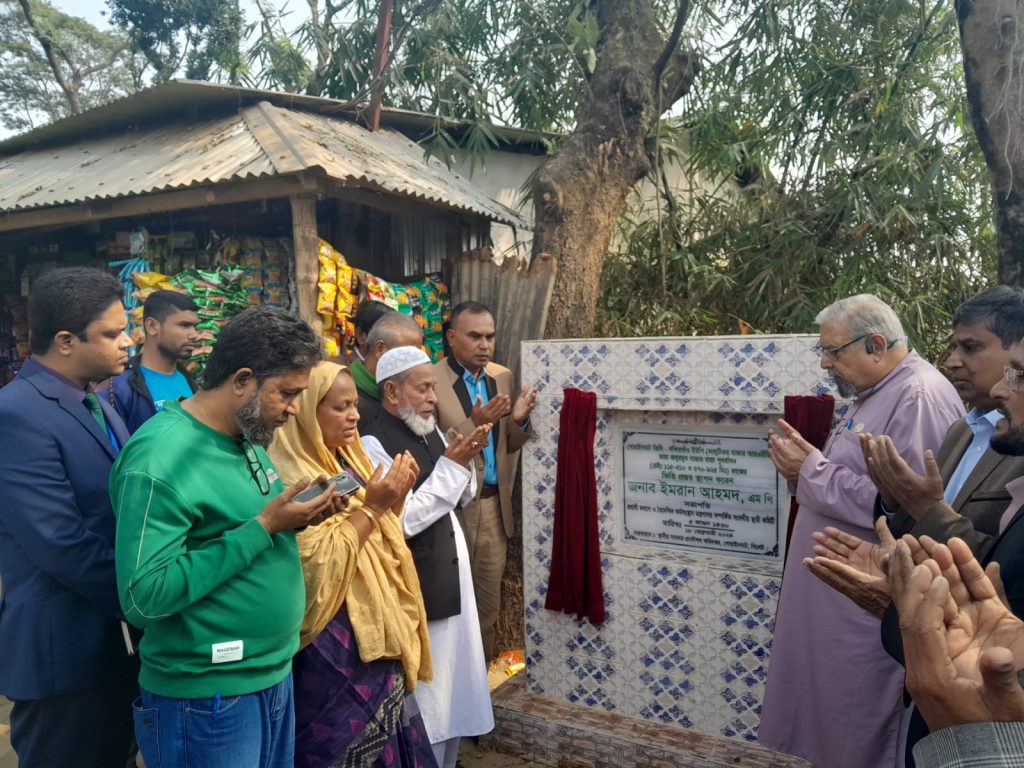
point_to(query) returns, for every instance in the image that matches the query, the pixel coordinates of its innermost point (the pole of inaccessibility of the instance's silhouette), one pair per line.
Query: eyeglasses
(832, 353)
(256, 467)
(1013, 378)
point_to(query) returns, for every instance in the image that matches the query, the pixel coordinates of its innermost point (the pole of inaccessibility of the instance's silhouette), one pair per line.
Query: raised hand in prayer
(899, 485)
(491, 413)
(961, 644)
(853, 566)
(383, 491)
(523, 406)
(463, 448)
(788, 451)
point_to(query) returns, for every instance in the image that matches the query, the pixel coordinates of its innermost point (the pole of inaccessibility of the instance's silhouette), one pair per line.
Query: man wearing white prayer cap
(457, 703)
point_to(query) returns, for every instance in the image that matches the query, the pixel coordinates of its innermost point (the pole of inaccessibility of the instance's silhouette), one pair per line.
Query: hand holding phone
(344, 484)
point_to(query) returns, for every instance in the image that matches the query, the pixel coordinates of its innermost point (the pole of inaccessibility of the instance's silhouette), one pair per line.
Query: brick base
(563, 735)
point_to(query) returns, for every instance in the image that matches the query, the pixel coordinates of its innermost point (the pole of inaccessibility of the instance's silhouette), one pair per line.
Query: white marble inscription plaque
(702, 489)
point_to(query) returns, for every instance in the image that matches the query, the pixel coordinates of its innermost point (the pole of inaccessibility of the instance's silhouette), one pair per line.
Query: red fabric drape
(575, 584)
(811, 416)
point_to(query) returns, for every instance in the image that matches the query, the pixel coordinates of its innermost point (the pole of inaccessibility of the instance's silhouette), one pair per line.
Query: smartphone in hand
(344, 484)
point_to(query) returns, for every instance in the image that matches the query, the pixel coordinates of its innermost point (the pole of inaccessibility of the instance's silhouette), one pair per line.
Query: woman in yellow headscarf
(364, 640)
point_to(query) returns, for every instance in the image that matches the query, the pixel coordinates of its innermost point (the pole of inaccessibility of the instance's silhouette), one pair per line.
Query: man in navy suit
(63, 657)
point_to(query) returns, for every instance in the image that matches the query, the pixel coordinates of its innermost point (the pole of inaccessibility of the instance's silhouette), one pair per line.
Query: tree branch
(107, 63)
(673, 41)
(323, 51)
(268, 28)
(51, 57)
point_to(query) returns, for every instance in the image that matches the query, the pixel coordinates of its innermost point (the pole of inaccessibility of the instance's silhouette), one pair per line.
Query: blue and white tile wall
(688, 635)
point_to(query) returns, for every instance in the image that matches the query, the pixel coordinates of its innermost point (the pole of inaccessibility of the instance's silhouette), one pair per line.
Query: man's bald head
(392, 330)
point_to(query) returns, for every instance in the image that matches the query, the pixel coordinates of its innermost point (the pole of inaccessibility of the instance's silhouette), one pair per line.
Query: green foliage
(277, 64)
(200, 39)
(274, 61)
(479, 61)
(95, 65)
(845, 124)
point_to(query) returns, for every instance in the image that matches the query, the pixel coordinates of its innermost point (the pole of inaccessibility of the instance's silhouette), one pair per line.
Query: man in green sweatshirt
(206, 557)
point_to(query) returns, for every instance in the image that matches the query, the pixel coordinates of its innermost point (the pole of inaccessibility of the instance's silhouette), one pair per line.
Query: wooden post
(307, 267)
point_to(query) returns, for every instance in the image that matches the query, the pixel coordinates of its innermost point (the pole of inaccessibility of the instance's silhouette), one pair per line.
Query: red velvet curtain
(811, 416)
(575, 584)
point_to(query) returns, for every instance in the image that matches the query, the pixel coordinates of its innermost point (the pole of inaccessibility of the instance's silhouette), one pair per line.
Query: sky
(93, 10)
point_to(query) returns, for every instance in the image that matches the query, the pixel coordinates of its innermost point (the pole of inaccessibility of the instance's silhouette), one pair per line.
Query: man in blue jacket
(63, 656)
(158, 374)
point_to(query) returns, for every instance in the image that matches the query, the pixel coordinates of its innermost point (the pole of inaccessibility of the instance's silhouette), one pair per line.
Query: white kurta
(458, 701)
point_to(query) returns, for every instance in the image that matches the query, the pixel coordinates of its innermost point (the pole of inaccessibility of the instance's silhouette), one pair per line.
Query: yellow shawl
(378, 581)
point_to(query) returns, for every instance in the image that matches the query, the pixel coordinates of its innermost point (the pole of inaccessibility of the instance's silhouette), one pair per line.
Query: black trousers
(88, 729)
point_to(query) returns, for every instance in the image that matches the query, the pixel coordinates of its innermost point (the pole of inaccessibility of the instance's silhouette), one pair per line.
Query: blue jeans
(256, 730)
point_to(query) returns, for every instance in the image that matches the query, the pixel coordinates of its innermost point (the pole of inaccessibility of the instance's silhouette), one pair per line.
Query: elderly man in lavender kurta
(833, 694)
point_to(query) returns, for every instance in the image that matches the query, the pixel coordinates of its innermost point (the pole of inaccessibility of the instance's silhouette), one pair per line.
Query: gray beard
(250, 421)
(844, 387)
(418, 425)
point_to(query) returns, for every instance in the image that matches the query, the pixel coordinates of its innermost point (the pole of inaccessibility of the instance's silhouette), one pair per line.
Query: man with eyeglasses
(833, 694)
(967, 473)
(206, 555)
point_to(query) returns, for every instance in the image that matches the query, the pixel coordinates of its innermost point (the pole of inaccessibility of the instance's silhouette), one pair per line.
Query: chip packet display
(430, 302)
(220, 296)
(342, 288)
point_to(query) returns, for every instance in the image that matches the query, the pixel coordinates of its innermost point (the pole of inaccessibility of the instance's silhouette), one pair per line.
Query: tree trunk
(580, 193)
(380, 63)
(993, 67)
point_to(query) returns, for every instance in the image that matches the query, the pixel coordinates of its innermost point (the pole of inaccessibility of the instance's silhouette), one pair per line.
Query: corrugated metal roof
(385, 158)
(176, 98)
(261, 140)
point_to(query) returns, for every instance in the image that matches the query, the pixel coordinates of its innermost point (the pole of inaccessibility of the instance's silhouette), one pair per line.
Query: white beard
(419, 425)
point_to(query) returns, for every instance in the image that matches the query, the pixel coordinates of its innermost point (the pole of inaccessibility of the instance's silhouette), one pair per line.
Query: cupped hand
(962, 645)
(523, 406)
(384, 490)
(854, 567)
(463, 448)
(491, 413)
(899, 485)
(788, 451)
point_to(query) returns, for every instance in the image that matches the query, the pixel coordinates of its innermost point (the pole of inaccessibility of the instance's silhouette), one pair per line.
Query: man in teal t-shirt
(158, 375)
(206, 556)
(165, 387)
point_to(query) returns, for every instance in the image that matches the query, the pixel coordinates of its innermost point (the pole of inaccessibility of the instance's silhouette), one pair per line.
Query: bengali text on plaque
(701, 489)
